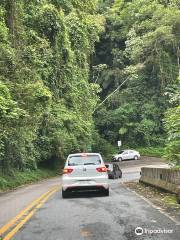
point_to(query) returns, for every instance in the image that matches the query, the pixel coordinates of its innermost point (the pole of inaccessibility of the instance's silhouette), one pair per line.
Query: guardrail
(167, 179)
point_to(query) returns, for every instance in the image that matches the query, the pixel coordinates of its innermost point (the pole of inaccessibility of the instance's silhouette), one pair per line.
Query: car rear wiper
(89, 164)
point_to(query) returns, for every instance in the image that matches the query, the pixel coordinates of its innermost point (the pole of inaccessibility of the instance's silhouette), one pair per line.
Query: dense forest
(78, 75)
(46, 100)
(137, 65)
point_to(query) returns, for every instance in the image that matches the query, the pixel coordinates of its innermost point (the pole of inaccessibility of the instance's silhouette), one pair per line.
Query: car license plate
(85, 182)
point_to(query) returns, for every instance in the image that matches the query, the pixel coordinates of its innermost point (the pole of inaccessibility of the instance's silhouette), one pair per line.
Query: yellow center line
(31, 213)
(23, 212)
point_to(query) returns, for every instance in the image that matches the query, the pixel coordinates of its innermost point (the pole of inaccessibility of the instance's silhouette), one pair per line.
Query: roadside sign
(119, 143)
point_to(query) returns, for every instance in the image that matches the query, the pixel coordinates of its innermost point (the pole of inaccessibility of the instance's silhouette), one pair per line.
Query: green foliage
(18, 178)
(140, 45)
(152, 151)
(102, 146)
(8, 108)
(53, 57)
(172, 124)
(46, 100)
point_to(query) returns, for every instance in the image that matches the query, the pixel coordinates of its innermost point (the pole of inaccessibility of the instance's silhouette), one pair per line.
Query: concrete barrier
(167, 179)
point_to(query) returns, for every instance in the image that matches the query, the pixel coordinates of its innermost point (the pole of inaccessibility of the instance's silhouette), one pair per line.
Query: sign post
(119, 143)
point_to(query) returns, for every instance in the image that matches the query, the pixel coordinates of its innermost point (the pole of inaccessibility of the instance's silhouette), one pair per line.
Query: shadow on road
(88, 194)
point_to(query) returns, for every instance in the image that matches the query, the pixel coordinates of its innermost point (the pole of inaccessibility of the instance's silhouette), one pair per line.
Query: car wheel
(106, 192)
(120, 176)
(135, 157)
(120, 159)
(65, 194)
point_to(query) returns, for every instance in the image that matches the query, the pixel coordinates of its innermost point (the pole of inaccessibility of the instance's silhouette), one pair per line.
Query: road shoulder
(163, 201)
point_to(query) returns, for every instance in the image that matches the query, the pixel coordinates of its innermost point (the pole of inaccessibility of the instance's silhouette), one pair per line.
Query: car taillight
(101, 169)
(67, 170)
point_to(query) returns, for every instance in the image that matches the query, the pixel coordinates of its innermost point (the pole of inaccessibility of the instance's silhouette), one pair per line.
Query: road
(131, 169)
(84, 216)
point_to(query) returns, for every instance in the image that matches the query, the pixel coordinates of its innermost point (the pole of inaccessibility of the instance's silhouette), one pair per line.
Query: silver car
(126, 155)
(84, 172)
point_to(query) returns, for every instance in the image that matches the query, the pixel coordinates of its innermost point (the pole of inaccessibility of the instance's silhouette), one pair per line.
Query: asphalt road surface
(84, 216)
(131, 169)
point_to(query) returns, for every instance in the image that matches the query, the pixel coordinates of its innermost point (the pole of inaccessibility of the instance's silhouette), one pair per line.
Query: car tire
(135, 157)
(106, 192)
(120, 159)
(65, 194)
(120, 176)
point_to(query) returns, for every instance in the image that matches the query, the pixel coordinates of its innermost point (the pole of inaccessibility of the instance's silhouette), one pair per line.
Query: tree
(46, 98)
(172, 125)
(141, 44)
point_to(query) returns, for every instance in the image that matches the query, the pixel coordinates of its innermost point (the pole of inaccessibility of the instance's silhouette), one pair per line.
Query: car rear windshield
(84, 160)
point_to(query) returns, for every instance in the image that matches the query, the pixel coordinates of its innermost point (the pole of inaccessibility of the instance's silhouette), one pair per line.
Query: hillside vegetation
(46, 100)
(80, 75)
(138, 55)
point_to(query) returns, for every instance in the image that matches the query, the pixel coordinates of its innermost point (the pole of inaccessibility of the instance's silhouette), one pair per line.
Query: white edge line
(154, 206)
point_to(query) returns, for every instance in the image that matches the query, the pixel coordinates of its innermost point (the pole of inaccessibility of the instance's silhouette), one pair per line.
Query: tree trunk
(10, 7)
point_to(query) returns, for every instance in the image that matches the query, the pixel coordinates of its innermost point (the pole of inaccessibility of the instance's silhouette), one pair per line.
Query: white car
(84, 172)
(125, 155)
